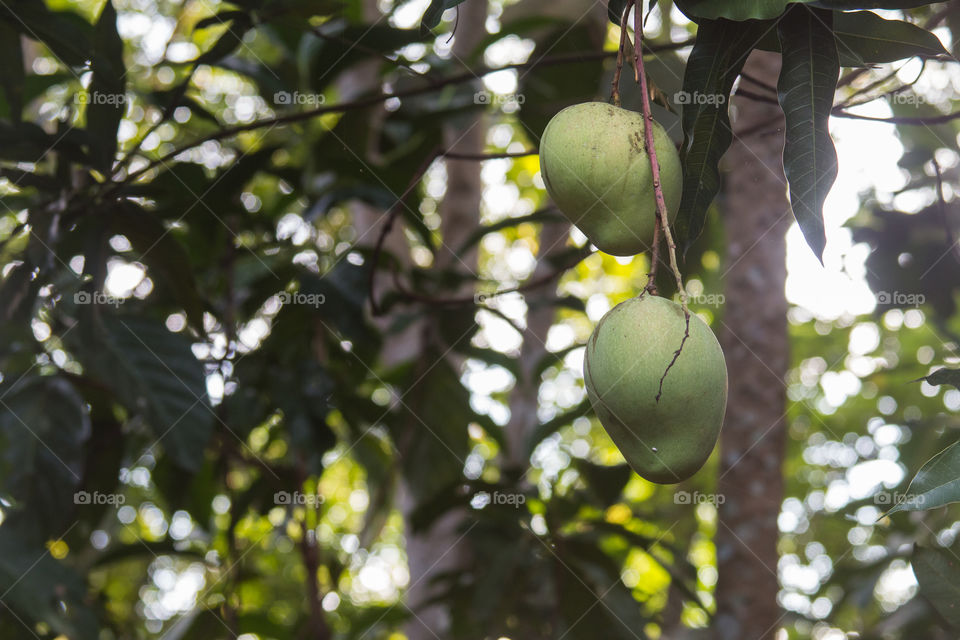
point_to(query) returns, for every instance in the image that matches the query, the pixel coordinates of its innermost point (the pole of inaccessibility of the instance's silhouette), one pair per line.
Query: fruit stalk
(641, 76)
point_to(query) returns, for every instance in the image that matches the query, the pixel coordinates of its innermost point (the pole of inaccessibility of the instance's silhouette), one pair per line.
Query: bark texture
(754, 337)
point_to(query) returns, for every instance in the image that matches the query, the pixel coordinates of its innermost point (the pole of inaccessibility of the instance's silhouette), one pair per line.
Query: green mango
(666, 440)
(596, 169)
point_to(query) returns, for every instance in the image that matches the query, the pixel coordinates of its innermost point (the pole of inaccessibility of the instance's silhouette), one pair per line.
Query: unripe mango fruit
(664, 441)
(595, 166)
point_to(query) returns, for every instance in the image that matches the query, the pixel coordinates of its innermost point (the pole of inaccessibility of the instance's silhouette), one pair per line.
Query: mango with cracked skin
(666, 440)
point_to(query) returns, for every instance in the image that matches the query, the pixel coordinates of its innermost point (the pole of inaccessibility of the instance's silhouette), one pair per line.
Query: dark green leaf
(41, 589)
(943, 376)
(229, 40)
(106, 99)
(808, 81)
(767, 9)
(153, 373)
(604, 481)
(615, 9)
(157, 247)
(935, 485)
(43, 425)
(938, 575)
(431, 17)
(11, 72)
(718, 56)
(866, 38)
(66, 34)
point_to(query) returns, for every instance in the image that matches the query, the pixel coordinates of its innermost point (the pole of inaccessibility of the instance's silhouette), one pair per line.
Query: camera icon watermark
(696, 497)
(299, 298)
(900, 299)
(697, 98)
(288, 98)
(297, 499)
(97, 97)
(96, 297)
(486, 97)
(97, 498)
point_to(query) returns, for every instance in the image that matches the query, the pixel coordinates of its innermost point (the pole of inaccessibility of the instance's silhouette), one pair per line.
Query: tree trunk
(441, 548)
(754, 337)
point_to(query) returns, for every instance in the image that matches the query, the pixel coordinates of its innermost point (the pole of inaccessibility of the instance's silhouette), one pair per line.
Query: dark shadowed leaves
(718, 56)
(938, 575)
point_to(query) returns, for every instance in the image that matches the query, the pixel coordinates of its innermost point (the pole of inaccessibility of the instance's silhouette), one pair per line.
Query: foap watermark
(707, 299)
(483, 498)
(297, 499)
(97, 297)
(296, 97)
(890, 499)
(900, 298)
(98, 97)
(686, 97)
(696, 497)
(299, 298)
(97, 498)
(487, 97)
(907, 97)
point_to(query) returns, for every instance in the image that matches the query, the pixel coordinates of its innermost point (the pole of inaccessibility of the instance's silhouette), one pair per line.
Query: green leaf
(866, 38)
(153, 373)
(41, 589)
(43, 425)
(697, 10)
(157, 247)
(938, 575)
(65, 33)
(943, 376)
(431, 17)
(229, 40)
(615, 9)
(106, 99)
(12, 74)
(604, 481)
(808, 81)
(718, 56)
(935, 485)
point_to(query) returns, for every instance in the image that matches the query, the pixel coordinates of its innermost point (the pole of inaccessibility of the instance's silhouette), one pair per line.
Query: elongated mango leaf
(938, 575)
(697, 10)
(153, 372)
(805, 89)
(943, 376)
(936, 484)
(718, 56)
(864, 38)
(106, 100)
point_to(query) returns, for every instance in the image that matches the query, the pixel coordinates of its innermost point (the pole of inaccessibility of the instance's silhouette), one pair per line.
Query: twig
(480, 297)
(658, 190)
(455, 155)
(363, 103)
(942, 207)
(910, 120)
(391, 216)
(758, 82)
(615, 88)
